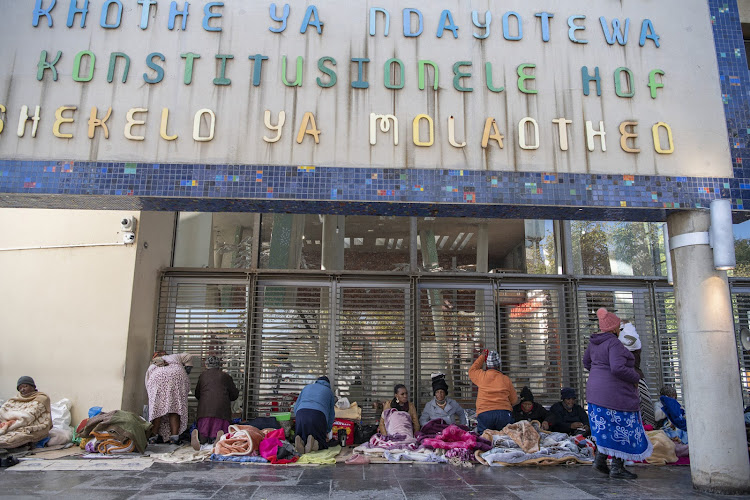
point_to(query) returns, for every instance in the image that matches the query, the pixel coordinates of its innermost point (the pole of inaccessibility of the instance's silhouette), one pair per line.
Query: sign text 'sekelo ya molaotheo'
(576, 86)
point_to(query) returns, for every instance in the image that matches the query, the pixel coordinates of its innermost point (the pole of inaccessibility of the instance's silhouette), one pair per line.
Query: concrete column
(712, 391)
(193, 247)
(483, 240)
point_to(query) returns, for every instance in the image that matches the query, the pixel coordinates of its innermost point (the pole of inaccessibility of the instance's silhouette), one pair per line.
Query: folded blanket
(112, 444)
(121, 425)
(241, 440)
(227, 458)
(327, 456)
(421, 455)
(354, 412)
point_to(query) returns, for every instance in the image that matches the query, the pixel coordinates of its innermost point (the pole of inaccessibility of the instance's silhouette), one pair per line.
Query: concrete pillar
(193, 247)
(483, 245)
(332, 256)
(712, 391)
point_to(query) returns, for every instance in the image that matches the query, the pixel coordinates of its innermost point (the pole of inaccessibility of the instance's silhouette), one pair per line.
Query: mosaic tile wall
(61, 184)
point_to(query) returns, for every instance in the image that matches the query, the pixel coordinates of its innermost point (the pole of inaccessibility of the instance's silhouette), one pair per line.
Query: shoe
(299, 445)
(153, 439)
(174, 439)
(618, 470)
(219, 433)
(357, 459)
(600, 463)
(309, 444)
(194, 441)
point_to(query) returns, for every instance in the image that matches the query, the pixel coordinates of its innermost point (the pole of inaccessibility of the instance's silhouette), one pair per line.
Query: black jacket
(538, 412)
(563, 418)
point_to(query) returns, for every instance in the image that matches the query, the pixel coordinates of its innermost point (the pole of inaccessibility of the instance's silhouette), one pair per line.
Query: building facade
(317, 190)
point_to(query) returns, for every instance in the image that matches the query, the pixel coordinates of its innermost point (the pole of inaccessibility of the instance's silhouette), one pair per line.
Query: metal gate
(277, 334)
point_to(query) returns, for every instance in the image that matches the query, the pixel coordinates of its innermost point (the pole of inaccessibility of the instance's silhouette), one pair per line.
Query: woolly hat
(567, 393)
(526, 395)
(25, 380)
(213, 362)
(607, 321)
(438, 382)
(493, 360)
(324, 379)
(629, 337)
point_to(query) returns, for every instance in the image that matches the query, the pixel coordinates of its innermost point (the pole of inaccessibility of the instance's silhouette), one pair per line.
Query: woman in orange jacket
(496, 395)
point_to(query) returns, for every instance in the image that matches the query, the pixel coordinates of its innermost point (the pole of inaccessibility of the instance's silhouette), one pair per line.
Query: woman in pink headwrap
(614, 405)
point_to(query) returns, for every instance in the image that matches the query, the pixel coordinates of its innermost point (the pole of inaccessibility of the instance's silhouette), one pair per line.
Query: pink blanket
(398, 423)
(452, 437)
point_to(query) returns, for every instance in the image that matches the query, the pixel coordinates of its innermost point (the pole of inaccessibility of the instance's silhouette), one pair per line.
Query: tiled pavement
(428, 481)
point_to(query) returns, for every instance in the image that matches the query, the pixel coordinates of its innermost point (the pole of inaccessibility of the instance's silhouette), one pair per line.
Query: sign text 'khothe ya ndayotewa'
(578, 86)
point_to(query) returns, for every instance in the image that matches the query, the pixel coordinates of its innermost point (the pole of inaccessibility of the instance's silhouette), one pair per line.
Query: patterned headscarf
(493, 360)
(158, 354)
(213, 362)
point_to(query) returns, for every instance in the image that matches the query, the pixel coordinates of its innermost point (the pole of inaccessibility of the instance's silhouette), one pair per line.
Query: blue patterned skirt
(619, 434)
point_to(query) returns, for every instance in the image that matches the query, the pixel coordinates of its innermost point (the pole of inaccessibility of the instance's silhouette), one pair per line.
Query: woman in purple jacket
(612, 395)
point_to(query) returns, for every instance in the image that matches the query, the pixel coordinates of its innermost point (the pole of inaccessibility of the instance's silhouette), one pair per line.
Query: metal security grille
(205, 318)
(633, 304)
(741, 307)
(666, 327)
(289, 342)
(373, 348)
(537, 344)
(454, 325)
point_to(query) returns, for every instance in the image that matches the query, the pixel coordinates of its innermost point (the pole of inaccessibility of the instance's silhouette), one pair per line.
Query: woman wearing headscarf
(26, 418)
(614, 405)
(215, 392)
(400, 402)
(441, 406)
(314, 413)
(168, 387)
(496, 395)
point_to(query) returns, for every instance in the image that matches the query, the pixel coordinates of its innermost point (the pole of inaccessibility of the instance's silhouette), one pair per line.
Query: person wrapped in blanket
(26, 418)
(215, 392)
(496, 395)
(400, 402)
(632, 342)
(614, 404)
(314, 414)
(441, 406)
(529, 410)
(168, 387)
(670, 416)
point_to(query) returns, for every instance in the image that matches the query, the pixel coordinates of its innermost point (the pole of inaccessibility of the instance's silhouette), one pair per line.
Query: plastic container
(283, 416)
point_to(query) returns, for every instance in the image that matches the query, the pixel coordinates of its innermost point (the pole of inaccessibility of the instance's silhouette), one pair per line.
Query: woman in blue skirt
(614, 404)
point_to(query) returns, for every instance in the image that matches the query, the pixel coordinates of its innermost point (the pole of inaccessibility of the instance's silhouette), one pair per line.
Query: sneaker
(153, 439)
(299, 445)
(309, 444)
(194, 441)
(174, 439)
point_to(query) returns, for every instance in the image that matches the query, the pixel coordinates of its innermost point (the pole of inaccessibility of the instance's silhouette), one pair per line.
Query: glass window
(376, 243)
(618, 248)
(214, 240)
(291, 241)
(486, 245)
(742, 249)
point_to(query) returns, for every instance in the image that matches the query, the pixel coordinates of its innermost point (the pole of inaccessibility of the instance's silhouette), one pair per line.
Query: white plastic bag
(343, 403)
(61, 414)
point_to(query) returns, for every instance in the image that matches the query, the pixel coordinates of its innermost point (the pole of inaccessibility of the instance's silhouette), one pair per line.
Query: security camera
(128, 237)
(128, 224)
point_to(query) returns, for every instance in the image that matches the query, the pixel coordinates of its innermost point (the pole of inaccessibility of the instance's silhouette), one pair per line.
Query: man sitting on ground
(26, 418)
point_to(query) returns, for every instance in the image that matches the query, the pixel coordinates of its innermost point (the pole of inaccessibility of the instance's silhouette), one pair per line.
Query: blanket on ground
(110, 443)
(25, 420)
(119, 425)
(524, 435)
(380, 443)
(451, 437)
(420, 455)
(664, 448)
(241, 440)
(323, 457)
(554, 448)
